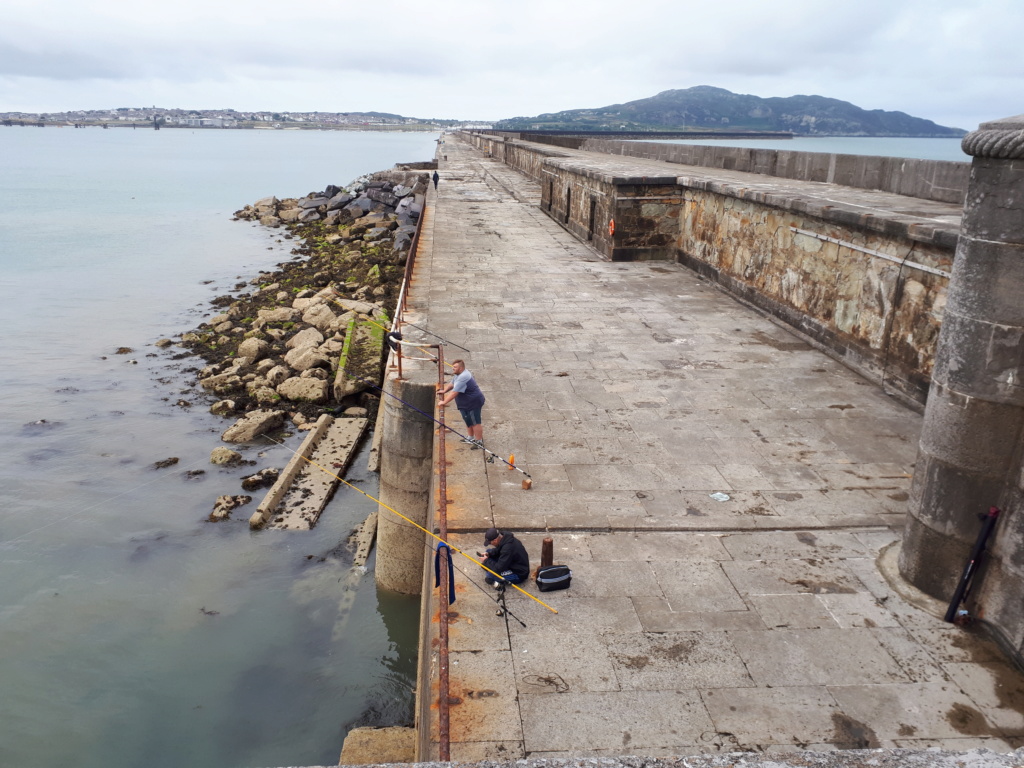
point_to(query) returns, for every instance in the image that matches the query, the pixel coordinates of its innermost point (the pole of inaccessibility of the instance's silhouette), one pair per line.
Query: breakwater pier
(730, 499)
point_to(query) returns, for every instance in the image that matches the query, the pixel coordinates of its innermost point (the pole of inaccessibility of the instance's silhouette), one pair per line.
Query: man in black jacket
(506, 556)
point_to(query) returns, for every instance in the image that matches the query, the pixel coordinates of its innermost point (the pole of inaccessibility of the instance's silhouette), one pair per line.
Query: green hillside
(707, 108)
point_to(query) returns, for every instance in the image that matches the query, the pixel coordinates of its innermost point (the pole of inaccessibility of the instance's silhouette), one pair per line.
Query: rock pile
(310, 334)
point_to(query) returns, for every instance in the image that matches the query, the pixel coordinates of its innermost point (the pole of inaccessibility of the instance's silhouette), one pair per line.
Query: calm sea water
(921, 149)
(132, 631)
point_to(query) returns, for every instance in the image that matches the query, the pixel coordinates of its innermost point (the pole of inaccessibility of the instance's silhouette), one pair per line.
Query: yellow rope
(413, 523)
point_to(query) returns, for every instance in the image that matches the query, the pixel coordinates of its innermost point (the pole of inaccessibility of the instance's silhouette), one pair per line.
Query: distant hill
(704, 107)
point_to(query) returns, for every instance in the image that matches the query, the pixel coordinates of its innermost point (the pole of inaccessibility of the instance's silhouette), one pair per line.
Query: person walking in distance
(468, 399)
(436, 179)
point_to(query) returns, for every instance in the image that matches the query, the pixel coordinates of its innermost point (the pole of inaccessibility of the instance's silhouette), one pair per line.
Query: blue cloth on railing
(451, 570)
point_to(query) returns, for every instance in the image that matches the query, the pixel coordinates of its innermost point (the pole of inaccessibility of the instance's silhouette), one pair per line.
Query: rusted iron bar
(444, 719)
(403, 294)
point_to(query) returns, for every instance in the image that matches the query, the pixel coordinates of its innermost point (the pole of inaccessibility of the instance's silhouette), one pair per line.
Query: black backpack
(553, 577)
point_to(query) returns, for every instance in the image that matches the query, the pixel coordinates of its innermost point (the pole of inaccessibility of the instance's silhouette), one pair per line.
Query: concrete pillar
(406, 467)
(970, 451)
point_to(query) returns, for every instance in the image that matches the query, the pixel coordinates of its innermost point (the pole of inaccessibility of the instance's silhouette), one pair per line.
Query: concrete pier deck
(633, 392)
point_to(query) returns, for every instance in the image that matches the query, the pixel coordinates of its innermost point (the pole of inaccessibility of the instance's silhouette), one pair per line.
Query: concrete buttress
(970, 450)
(405, 472)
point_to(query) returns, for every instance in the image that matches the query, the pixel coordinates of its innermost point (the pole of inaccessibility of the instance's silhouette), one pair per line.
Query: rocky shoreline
(308, 338)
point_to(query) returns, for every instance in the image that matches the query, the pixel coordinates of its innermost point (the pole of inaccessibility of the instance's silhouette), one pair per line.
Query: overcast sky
(957, 63)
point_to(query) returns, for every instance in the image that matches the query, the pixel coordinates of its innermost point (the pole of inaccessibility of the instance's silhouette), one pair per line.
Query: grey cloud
(54, 64)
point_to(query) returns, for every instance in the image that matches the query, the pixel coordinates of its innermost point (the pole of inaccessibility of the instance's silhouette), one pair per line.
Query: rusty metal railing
(403, 294)
(443, 702)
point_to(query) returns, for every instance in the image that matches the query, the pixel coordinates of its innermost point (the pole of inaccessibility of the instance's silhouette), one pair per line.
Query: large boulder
(355, 210)
(278, 374)
(339, 201)
(382, 196)
(279, 315)
(401, 243)
(253, 424)
(264, 394)
(310, 337)
(313, 202)
(379, 219)
(265, 205)
(359, 307)
(222, 383)
(223, 408)
(308, 215)
(320, 317)
(304, 358)
(253, 349)
(225, 456)
(309, 390)
(270, 220)
(290, 214)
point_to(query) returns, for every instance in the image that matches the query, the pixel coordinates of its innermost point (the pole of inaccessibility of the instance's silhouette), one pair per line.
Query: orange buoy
(611, 227)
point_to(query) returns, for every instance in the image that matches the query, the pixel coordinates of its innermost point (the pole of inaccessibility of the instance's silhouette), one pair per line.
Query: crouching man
(506, 556)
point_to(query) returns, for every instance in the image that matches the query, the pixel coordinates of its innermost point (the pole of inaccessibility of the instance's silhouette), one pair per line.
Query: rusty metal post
(547, 552)
(443, 714)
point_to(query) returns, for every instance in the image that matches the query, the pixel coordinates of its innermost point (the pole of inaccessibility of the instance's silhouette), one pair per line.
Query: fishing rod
(509, 464)
(444, 340)
(413, 523)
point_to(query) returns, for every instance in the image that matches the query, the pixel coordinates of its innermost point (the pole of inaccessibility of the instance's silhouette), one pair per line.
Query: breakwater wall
(866, 286)
(940, 180)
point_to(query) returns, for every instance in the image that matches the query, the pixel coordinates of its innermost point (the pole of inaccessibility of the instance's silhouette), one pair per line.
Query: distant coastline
(418, 128)
(159, 117)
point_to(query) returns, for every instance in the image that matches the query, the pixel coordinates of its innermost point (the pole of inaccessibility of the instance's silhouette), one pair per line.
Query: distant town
(154, 117)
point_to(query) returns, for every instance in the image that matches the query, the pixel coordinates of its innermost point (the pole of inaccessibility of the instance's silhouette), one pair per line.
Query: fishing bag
(553, 577)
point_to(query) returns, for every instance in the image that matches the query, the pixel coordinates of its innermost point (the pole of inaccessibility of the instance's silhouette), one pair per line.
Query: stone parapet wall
(939, 180)
(879, 316)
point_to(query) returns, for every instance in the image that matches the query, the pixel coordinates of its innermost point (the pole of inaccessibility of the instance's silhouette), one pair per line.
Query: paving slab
(765, 716)
(795, 657)
(729, 500)
(630, 722)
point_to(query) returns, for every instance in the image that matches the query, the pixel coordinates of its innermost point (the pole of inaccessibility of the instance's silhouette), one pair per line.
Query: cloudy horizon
(957, 64)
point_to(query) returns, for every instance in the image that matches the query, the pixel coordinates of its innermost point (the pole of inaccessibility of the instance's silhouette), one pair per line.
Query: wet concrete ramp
(307, 484)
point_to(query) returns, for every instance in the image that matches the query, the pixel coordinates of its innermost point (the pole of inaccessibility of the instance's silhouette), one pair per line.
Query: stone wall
(879, 316)
(939, 180)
